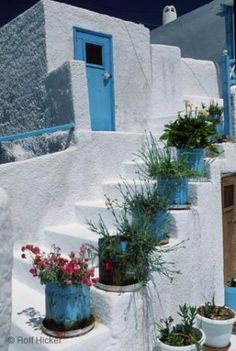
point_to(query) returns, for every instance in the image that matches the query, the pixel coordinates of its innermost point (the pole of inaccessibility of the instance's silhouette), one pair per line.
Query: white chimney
(169, 14)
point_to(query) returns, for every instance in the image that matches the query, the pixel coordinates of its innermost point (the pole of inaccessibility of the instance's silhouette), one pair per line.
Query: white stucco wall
(131, 56)
(6, 263)
(23, 67)
(199, 78)
(167, 97)
(43, 190)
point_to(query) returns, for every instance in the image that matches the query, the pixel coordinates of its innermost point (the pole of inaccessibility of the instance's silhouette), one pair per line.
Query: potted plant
(191, 133)
(184, 336)
(171, 173)
(145, 204)
(216, 322)
(67, 283)
(230, 294)
(128, 253)
(215, 116)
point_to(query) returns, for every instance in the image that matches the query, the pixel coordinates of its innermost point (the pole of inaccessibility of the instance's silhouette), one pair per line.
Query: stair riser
(85, 213)
(66, 242)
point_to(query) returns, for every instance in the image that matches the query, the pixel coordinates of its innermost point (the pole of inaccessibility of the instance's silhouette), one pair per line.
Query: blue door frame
(96, 50)
(228, 70)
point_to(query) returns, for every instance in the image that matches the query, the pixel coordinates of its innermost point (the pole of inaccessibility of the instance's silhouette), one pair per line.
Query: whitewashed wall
(43, 190)
(23, 67)
(167, 84)
(131, 57)
(199, 78)
(6, 263)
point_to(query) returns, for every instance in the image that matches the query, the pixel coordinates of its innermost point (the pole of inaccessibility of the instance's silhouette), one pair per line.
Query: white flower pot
(218, 332)
(163, 347)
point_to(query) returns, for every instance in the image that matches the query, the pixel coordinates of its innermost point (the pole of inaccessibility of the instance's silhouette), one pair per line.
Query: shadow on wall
(36, 146)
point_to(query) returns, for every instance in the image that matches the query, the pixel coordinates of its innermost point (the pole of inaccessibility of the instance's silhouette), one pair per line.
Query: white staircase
(124, 321)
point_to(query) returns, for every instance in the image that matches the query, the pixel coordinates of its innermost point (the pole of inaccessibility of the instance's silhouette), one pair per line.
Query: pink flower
(36, 250)
(69, 268)
(72, 255)
(33, 271)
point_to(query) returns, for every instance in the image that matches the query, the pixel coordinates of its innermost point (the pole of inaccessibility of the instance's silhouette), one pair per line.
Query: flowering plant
(52, 267)
(213, 112)
(191, 130)
(183, 334)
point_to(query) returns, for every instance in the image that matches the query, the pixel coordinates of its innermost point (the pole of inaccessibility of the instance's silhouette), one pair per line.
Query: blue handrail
(36, 132)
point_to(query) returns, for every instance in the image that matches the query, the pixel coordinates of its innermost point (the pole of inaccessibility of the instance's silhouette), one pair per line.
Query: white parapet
(167, 97)
(6, 263)
(199, 78)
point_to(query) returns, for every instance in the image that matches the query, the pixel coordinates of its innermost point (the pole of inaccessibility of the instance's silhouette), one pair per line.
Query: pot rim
(119, 288)
(172, 347)
(218, 321)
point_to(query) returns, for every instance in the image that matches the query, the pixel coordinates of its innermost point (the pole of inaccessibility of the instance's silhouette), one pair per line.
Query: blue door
(96, 50)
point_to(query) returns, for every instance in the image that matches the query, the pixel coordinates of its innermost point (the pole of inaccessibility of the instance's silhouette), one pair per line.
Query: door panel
(229, 225)
(96, 50)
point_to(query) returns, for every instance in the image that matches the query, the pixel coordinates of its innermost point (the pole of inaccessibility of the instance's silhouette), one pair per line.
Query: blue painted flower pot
(176, 189)
(123, 246)
(230, 297)
(158, 226)
(67, 306)
(194, 159)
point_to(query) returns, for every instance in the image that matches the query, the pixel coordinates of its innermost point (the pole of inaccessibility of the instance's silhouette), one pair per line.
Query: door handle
(233, 222)
(106, 75)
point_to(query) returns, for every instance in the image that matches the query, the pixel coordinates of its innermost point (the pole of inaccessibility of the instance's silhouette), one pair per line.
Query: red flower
(33, 271)
(108, 266)
(69, 268)
(23, 248)
(36, 250)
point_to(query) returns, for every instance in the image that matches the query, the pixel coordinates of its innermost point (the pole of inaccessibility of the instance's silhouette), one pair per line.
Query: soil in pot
(215, 312)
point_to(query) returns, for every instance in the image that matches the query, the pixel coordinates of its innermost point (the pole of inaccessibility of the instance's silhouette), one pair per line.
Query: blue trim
(227, 95)
(91, 32)
(229, 29)
(32, 133)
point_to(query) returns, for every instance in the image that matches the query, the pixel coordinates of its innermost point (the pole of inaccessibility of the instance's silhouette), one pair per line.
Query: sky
(148, 12)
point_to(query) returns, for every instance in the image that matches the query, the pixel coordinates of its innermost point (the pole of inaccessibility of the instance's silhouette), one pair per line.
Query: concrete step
(69, 237)
(131, 168)
(27, 314)
(92, 210)
(156, 124)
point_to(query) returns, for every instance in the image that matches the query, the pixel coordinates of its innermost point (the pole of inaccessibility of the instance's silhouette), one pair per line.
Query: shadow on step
(35, 318)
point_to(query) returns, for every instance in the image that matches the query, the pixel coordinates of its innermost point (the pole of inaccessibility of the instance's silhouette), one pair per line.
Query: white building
(61, 64)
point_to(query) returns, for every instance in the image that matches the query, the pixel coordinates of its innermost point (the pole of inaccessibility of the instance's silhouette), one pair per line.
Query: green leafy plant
(143, 252)
(161, 161)
(143, 201)
(191, 130)
(215, 109)
(183, 334)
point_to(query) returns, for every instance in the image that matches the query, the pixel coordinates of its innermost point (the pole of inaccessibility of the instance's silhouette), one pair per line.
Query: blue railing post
(227, 95)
